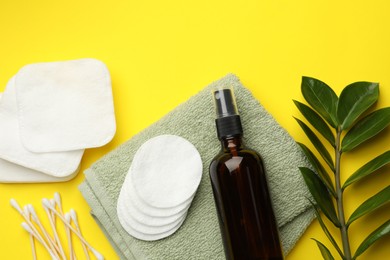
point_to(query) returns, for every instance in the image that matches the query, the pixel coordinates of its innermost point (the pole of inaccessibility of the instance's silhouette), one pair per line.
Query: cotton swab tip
(46, 203)
(53, 257)
(27, 227)
(57, 198)
(97, 254)
(26, 211)
(32, 212)
(67, 217)
(73, 214)
(15, 205)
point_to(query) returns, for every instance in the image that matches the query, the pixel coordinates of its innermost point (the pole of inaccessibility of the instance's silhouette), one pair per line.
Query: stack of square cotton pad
(159, 187)
(49, 114)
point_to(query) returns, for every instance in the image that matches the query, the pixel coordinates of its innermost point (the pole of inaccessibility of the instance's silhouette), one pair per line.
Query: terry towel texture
(199, 237)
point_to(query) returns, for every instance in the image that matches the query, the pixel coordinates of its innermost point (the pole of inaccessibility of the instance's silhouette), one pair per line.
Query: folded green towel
(199, 237)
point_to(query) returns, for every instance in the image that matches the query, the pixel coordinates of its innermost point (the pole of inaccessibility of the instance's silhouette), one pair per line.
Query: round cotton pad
(166, 171)
(143, 236)
(144, 227)
(140, 212)
(151, 210)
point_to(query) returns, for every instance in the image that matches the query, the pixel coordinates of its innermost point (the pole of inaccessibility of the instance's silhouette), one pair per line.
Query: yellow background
(159, 53)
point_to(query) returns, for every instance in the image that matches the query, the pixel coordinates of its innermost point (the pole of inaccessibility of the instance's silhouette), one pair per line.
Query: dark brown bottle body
(247, 222)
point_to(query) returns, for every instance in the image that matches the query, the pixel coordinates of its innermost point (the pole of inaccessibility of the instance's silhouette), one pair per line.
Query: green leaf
(317, 144)
(373, 237)
(376, 201)
(324, 250)
(354, 100)
(366, 128)
(321, 97)
(316, 121)
(320, 193)
(368, 168)
(322, 173)
(326, 231)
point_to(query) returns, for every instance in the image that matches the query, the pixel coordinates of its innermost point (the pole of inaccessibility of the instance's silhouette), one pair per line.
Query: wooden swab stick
(76, 223)
(47, 204)
(68, 235)
(53, 227)
(57, 201)
(34, 253)
(53, 217)
(53, 203)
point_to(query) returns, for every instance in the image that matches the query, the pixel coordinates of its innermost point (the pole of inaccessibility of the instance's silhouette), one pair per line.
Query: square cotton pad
(65, 105)
(13, 173)
(57, 164)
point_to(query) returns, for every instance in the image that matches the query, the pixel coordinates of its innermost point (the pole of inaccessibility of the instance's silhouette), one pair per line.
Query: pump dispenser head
(228, 120)
(225, 103)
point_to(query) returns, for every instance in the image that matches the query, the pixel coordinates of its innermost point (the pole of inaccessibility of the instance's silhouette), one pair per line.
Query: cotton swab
(16, 206)
(53, 203)
(53, 245)
(68, 235)
(34, 253)
(57, 201)
(50, 240)
(31, 226)
(53, 227)
(32, 233)
(47, 204)
(76, 223)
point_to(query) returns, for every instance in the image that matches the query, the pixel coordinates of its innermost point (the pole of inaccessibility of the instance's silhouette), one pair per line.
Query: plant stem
(340, 206)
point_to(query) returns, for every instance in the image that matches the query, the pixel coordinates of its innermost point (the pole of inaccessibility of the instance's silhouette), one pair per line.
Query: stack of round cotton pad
(159, 187)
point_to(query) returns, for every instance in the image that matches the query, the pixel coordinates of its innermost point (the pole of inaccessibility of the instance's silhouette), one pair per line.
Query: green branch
(340, 205)
(342, 113)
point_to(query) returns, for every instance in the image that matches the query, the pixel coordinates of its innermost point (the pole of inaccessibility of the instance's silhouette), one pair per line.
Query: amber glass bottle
(246, 218)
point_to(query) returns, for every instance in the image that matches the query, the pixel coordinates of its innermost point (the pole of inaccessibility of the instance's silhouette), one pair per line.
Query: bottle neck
(228, 126)
(231, 144)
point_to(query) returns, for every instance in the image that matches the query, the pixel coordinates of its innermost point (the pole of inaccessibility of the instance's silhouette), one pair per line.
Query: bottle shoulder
(239, 159)
(244, 153)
